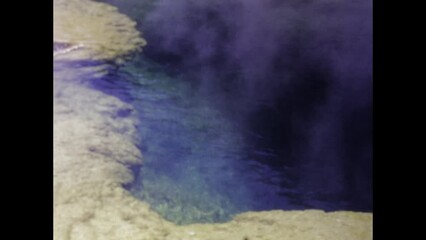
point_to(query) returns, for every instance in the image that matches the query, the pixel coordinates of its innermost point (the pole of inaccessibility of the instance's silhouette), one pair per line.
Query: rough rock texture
(92, 151)
(97, 27)
(310, 224)
(94, 147)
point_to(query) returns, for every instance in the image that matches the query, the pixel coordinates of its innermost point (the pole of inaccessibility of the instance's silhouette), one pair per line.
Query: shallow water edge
(94, 147)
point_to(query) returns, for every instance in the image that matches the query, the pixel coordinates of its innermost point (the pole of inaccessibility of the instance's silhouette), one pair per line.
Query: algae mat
(94, 148)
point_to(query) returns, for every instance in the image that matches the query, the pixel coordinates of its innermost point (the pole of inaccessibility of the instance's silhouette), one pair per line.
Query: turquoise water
(199, 164)
(192, 168)
(208, 157)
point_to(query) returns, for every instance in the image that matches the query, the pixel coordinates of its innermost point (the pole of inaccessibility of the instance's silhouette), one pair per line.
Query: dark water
(203, 165)
(287, 126)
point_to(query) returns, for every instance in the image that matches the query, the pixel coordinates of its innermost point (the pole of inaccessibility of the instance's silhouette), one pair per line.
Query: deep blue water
(237, 116)
(201, 164)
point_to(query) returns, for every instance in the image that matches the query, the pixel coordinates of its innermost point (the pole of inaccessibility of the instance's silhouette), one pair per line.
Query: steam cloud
(310, 60)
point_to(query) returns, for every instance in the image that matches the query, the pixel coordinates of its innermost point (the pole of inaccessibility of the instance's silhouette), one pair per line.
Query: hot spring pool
(223, 115)
(201, 165)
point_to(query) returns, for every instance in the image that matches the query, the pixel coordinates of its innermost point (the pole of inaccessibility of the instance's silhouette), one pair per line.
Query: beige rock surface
(99, 28)
(93, 149)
